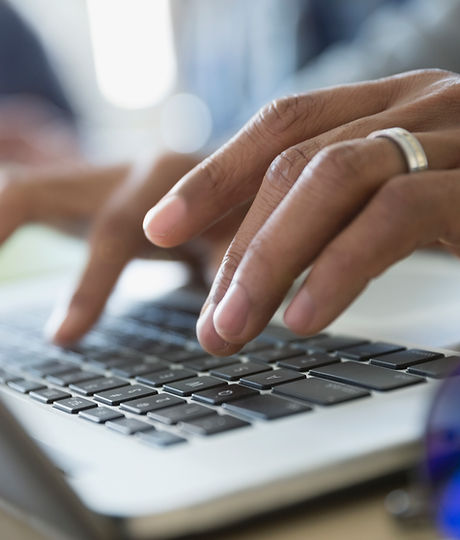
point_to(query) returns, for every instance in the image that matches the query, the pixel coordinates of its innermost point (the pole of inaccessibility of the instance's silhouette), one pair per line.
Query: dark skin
(319, 195)
(108, 204)
(324, 197)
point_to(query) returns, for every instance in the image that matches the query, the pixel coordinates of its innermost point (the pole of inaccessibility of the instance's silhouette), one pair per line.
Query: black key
(128, 426)
(151, 403)
(211, 362)
(279, 334)
(181, 355)
(98, 385)
(49, 395)
(36, 367)
(152, 315)
(163, 377)
(100, 415)
(256, 345)
(130, 370)
(366, 376)
(73, 405)
(24, 386)
(273, 355)
(73, 377)
(180, 413)
(209, 425)
(160, 438)
(301, 342)
(320, 391)
(308, 361)
(437, 369)
(68, 356)
(369, 350)
(266, 407)
(404, 359)
(125, 393)
(111, 363)
(6, 377)
(145, 345)
(181, 322)
(236, 371)
(189, 386)
(331, 343)
(268, 379)
(217, 396)
(50, 368)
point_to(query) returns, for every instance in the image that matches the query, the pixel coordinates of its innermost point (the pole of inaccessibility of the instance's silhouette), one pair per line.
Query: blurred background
(105, 81)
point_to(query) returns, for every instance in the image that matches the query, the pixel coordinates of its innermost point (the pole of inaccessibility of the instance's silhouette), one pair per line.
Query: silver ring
(408, 144)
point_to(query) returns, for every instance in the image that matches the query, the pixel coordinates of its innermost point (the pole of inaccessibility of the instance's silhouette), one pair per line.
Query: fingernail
(163, 217)
(232, 312)
(206, 332)
(300, 312)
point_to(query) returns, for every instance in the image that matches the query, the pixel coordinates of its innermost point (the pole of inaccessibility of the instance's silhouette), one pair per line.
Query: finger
(408, 212)
(113, 244)
(55, 196)
(285, 171)
(69, 194)
(332, 189)
(117, 237)
(234, 173)
(278, 180)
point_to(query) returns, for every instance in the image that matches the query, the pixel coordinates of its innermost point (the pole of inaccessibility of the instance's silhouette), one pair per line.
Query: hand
(325, 196)
(112, 202)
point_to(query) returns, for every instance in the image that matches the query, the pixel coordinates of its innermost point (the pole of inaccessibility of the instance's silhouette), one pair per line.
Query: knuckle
(281, 115)
(227, 269)
(229, 265)
(338, 163)
(213, 173)
(439, 101)
(449, 94)
(285, 169)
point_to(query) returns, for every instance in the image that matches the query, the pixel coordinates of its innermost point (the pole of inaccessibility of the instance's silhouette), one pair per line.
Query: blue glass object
(442, 466)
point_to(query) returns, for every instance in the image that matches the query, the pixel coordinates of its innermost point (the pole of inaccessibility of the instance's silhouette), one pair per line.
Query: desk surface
(357, 513)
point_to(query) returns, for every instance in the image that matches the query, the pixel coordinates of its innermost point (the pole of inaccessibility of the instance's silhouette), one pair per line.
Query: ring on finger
(408, 144)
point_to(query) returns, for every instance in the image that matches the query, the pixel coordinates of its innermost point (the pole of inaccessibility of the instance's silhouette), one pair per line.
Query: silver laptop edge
(33, 488)
(208, 482)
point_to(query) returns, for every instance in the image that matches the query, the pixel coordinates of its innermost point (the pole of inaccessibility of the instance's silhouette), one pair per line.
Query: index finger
(233, 174)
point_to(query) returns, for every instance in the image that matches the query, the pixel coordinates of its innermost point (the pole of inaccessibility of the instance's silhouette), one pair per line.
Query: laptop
(135, 432)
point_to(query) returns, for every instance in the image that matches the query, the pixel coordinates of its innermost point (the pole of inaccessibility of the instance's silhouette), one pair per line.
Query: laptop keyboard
(145, 375)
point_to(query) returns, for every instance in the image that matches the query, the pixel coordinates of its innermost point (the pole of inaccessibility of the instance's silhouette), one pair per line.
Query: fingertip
(208, 337)
(161, 221)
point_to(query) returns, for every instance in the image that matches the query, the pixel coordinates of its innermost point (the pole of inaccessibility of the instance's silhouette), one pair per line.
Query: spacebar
(366, 376)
